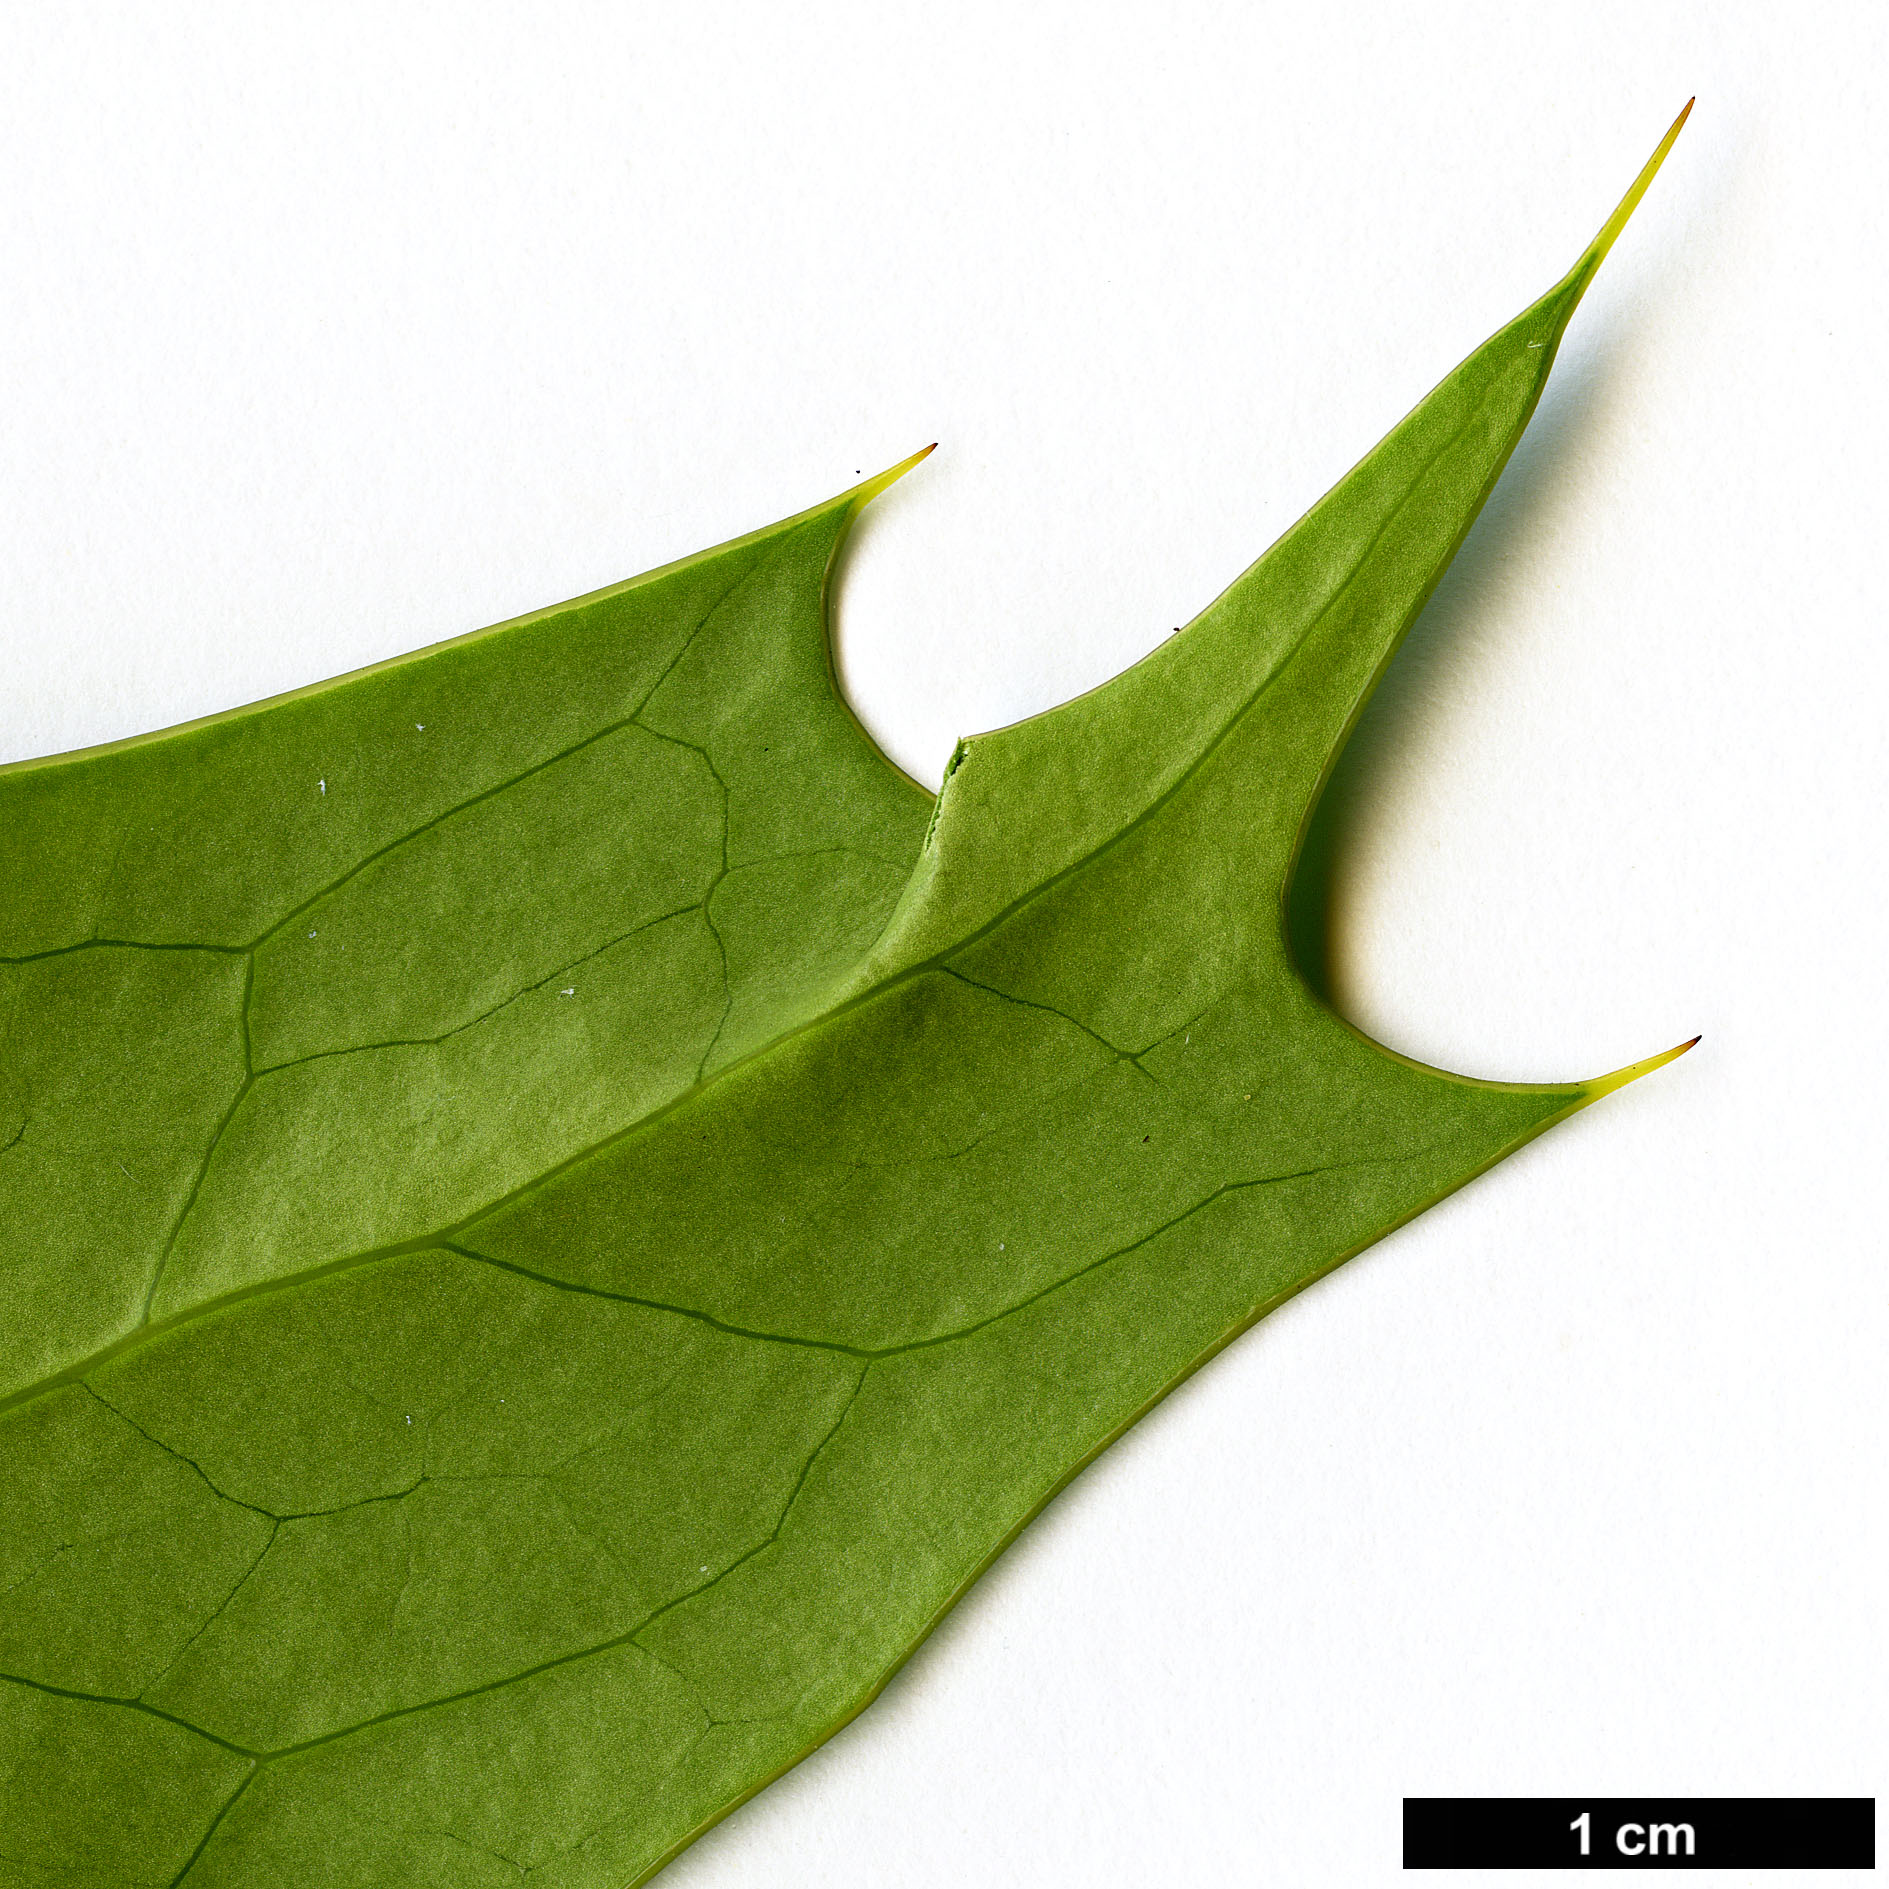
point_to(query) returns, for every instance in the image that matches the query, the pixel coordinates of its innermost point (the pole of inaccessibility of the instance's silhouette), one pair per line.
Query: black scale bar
(1639, 1833)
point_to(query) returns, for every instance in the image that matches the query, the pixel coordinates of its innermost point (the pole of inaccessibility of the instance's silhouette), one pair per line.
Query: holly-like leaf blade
(434, 1481)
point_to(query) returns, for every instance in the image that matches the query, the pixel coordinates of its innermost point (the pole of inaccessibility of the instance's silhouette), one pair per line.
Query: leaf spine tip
(1610, 230)
(1606, 1085)
(863, 495)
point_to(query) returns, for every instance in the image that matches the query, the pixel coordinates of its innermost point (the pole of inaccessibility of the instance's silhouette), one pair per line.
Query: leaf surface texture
(556, 1210)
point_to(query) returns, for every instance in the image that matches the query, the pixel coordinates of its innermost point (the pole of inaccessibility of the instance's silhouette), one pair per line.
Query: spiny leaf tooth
(1596, 251)
(863, 495)
(1606, 1085)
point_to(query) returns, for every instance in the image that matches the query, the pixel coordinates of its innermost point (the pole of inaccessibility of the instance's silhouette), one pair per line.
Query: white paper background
(331, 331)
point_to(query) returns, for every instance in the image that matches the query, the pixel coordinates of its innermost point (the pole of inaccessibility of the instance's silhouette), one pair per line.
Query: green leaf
(555, 1212)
